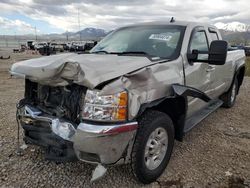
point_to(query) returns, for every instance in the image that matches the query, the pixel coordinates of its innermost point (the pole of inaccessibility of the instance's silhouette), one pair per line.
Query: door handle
(210, 68)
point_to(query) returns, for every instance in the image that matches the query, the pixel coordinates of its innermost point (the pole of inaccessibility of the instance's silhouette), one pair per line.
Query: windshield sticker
(160, 37)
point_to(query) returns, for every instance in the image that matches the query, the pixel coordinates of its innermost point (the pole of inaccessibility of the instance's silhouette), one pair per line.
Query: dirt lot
(214, 154)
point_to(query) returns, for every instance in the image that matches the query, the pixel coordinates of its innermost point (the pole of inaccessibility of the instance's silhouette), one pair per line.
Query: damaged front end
(52, 117)
(38, 130)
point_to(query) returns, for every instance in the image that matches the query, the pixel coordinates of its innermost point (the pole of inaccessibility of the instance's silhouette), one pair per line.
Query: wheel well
(176, 108)
(240, 76)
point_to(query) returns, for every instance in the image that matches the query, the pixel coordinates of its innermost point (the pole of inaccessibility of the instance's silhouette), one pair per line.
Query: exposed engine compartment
(61, 101)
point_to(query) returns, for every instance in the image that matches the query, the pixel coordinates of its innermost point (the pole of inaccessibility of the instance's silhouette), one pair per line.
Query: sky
(19, 17)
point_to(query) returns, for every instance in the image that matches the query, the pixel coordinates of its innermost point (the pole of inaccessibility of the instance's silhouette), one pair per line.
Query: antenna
(172, 20)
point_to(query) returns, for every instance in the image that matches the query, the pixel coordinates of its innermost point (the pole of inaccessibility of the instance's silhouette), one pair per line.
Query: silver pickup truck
(139, 89)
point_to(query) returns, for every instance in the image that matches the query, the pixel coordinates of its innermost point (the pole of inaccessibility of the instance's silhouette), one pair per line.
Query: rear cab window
(213, 34)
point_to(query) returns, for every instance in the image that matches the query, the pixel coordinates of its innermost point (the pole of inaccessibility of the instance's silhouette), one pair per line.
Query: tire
(152, 124)
(229, 98)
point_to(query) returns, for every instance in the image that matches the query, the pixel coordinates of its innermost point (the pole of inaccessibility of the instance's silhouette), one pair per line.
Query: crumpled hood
(84, 69)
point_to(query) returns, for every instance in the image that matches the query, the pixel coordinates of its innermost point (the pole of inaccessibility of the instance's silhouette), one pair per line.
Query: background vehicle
(77, 46)
(247, 50)
(30, 44)
(4, 54)
(57, 47)
(38, 46)
(140, 88)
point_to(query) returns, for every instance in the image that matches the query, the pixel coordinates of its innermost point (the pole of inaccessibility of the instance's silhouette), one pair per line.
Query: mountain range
(234, 32)
(233, 26)
(88, 33)
(227, 27)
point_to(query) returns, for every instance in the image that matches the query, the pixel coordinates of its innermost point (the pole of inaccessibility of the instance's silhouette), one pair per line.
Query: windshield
(155, 41)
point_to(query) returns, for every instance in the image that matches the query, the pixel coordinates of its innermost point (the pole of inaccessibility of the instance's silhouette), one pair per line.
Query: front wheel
(153, 146)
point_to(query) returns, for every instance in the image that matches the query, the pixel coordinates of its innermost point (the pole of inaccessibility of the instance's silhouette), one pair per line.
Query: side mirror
(216, 56)
(218, 52)
(192, 57)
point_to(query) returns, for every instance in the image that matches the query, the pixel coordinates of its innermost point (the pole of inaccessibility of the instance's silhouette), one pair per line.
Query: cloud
(110, 14)
(95, 2)
(12, 26)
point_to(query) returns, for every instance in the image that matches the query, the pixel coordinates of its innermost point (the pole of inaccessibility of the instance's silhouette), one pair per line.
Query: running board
(202, 114)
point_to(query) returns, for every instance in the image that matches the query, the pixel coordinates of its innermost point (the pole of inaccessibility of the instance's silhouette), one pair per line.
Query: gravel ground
(214, 154)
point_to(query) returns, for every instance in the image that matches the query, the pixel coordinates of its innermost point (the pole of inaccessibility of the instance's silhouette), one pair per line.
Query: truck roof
(179, 23)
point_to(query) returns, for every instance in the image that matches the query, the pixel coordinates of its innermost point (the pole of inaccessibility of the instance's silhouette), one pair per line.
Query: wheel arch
(240, 76)
(175, 107)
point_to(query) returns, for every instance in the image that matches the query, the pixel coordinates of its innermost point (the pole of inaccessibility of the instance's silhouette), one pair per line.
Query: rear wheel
(229, 98)
(153, 146)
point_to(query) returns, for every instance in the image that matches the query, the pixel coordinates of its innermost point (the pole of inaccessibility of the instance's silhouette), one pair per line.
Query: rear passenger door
(198, 74)
(220, 74)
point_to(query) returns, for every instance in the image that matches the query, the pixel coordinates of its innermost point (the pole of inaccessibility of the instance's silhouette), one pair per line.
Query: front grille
(61, 101)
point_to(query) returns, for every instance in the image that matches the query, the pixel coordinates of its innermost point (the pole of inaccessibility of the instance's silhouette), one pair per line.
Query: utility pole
(248, 34)
(67, 35)
(79, 24)
(35, 32)
(6, 40)
(16, 39)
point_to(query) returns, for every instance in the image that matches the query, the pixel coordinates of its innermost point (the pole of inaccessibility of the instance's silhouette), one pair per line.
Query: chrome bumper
(106, 144)
(92, 143)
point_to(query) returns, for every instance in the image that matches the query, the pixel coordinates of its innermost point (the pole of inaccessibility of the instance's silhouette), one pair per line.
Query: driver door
(198, 74)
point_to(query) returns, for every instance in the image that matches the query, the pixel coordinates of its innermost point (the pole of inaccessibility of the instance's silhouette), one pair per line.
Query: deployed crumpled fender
(147, 84)
(185, 91)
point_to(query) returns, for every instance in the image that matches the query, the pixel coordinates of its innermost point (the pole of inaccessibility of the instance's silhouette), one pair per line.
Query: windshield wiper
(151, 57)
(123, 53)
(100, 51)
(133, 52)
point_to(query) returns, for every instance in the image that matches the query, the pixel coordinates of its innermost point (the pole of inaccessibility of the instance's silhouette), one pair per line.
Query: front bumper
(106, 144)
(90, 142)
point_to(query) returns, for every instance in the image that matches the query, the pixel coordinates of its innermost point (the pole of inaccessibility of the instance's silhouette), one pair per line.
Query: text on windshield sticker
(160, 37)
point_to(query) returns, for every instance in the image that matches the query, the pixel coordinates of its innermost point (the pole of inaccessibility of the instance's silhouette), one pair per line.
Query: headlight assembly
(105, 108)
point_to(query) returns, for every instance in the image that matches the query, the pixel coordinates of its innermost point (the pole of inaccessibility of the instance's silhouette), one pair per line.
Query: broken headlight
(105, 108)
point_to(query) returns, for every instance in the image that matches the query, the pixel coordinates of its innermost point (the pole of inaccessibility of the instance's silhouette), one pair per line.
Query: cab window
(199, 41)
(214, 36)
